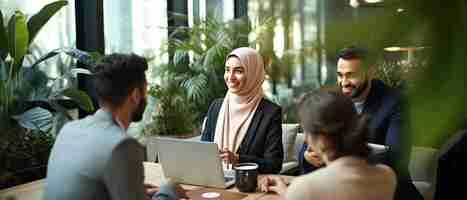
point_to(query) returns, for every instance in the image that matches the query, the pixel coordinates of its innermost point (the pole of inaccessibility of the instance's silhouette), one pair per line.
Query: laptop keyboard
(229, 173)
(227, 179)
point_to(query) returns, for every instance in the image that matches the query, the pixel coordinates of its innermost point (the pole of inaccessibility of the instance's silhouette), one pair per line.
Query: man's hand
(273, 184)
(166, 186)
(150, 190)
(181, 193)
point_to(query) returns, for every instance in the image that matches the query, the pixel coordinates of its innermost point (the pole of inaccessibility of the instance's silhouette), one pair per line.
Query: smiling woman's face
(234, 74)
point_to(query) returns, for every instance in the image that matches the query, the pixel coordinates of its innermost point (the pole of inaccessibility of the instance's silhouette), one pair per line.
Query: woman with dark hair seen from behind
(339, 135)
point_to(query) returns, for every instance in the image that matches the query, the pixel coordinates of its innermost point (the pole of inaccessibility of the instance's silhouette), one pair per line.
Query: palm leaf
(196, 87)
(35, 119)
(37, 21)
(179, 57)
(210, 58)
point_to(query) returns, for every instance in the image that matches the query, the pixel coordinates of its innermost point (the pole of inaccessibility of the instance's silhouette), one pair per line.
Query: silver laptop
(193, 162)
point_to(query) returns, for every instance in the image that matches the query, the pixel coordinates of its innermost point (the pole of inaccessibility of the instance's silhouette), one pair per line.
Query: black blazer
(262, 143)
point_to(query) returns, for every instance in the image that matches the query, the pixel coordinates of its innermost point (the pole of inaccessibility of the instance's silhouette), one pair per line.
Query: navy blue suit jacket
(382, 106)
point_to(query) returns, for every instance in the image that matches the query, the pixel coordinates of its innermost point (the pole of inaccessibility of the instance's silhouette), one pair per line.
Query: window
(220, 9)
(137, 27)
(292, 42)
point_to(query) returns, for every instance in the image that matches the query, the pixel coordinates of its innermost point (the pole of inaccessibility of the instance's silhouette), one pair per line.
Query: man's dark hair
(116, 75)
(332, 114)
(352, 52)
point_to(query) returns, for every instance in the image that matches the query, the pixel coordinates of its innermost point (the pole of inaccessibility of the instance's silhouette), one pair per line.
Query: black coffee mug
(246, 177)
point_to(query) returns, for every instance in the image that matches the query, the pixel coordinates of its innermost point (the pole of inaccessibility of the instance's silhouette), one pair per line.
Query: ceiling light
(394, 49)
(354, 3)
(373, 1)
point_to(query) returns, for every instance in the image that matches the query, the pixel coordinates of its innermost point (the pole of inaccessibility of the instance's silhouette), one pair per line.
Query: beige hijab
(237, 110)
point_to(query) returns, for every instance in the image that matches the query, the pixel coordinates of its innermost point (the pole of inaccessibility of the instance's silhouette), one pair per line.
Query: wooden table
(153, 175)
(28, 191)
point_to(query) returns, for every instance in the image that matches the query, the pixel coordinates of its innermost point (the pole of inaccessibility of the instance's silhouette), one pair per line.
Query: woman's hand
(274, 184)
(312, 157)
(228, 156)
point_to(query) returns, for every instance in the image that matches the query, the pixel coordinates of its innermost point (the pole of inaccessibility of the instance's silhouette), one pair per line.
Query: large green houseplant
(173, 114)
(198, 62)
(399, 74)
(32, 105)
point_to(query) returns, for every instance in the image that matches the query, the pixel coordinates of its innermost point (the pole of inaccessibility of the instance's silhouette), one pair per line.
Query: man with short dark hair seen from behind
(382, 105)
(94, 158)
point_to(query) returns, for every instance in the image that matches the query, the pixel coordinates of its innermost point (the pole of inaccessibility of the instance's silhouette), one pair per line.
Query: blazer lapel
(372, 104)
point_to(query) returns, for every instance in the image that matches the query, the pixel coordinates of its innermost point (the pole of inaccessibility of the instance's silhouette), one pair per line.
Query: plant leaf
(35, 119)
(96, 56)
(76, 71)
(210, 57)
(18, 34)
(89, 59)
(195, 87)
(3, 39)
(35, 77)
(37, 21)
(61, 106)
(3, 70)
(79, 97)
(43, 58)
(179, 56)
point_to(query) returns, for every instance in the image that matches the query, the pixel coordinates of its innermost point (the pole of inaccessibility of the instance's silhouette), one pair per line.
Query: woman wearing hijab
(339, 135)
(246, 126)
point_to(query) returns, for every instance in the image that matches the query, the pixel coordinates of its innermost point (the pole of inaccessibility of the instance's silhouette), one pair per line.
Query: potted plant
(32, 105)
(399, 74)
(173, 113)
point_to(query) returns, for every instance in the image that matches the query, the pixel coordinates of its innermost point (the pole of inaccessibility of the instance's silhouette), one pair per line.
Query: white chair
(289, 135)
